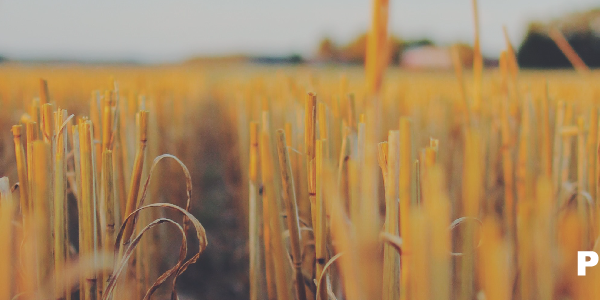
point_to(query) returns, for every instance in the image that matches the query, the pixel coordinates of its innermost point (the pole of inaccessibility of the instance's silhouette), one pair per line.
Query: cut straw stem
(41, 195)
(271, 195)
(136, 177)
(477, 62)
(22, 172)
(568, 51)
(255, 219)
(107, 193)
(7, 255)
(289, 198)
(44, 95)
(87, 211)
(404, 194)
(309, 143)
(391, 259)
(320, 226)
(60, 205)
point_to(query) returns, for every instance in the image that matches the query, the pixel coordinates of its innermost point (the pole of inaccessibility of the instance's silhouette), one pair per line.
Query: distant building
(426, 58)
(580, 29)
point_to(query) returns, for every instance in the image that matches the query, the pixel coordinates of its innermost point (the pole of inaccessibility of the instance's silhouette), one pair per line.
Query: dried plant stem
(61, 225)
(546, 139)
(458, 71)
(309, 143)
(472, 184)
(592, 140)
(320, 226)
(382, 156)
(558, 150)
(25, 201)
(597, 175)
(420, 275)
(107, 193)
(477, 63)
(7, 255)
(289, 198)
(271, 194)
(404, 194)
(32, 135)
(136, 177)
(391, 259)
(255, 219)
(41, 191)
(437, 209)
(343, 236)
(566, 137)
(582, 206)
(524, 172)
(568, 51)
(87, 210)
(269, 264)
(495, 272)
(95, 117)
(376, 59)
(44, 95)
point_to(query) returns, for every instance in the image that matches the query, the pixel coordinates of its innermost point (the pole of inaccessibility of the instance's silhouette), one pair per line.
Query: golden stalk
(565, 137)
(558, 150)
(544, 238)
(458, 72)
(255, 218)
(41, 195)
(7, 256)
(437, 209)
(25, 201)
(44, 95)
(345, 243)
(524, 174)
(87, 210)
(494, 255)
(60, 205)
(568, 51)
(95, 117)
(34, 111)
(376, 59)
(477, 63)
(404, 193)
(267, 233)
(107, 194)
(592, 140)
(471, 189)
(47, 124)
(597, 175)
(320, 226)
(289, 198)
(581, 178)
(310, 127)
(271, 195)
(420, 277)
(382, 155)
(323, 128)
(32, 135)
(546, 142)
(134, 186)
(391, 259)
(119, 171)
(513, 66)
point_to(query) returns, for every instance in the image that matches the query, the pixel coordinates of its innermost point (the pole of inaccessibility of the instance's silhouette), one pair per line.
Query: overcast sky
(171, 30)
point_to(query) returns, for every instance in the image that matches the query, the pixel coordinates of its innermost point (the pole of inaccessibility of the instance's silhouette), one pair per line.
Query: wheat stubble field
(494, 201)
(237, 180)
